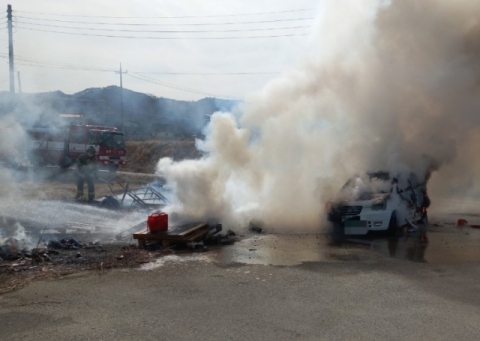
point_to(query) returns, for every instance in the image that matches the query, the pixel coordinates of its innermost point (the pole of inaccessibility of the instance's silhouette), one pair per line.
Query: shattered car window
(366, 187)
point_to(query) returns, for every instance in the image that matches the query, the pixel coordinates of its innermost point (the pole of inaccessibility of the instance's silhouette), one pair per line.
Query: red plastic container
(157, 222)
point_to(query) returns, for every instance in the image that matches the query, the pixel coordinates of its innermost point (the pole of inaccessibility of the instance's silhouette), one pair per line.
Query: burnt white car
(379, 201)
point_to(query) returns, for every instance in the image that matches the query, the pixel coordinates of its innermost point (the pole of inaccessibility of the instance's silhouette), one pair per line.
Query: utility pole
(10, 49)
(122, 126)
(19, 83)
(106, 107)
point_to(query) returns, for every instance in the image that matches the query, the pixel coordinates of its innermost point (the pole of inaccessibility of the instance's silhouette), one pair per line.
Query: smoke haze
(389, 85)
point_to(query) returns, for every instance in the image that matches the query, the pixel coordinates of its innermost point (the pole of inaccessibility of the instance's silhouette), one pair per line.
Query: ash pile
(27, 245)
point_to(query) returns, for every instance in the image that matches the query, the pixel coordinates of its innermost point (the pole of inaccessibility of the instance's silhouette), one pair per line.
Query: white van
(379, 201)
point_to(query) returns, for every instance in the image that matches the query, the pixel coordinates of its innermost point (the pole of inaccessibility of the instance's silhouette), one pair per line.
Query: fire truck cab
(62, 145)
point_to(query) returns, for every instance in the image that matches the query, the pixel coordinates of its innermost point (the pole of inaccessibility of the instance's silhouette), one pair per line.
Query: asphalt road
(350, 294)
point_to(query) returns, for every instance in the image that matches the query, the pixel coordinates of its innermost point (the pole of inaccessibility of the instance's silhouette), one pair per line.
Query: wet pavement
(279, 250)
(456, 247)
(442, 244)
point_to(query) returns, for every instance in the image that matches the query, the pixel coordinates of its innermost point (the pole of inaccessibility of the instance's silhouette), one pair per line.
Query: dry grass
(11, 280)
(66, 188)
(143, 156)
(14, 277)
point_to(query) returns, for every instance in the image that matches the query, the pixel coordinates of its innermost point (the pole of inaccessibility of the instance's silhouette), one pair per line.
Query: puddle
(453, 247)
(444, 243)
(462, 246)
(285, 250)
(174, 259)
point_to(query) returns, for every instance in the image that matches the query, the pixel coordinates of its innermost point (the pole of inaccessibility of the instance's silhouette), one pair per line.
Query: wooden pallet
(175, 234)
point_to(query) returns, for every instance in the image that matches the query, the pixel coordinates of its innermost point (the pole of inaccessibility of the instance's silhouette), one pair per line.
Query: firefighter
(86, 171)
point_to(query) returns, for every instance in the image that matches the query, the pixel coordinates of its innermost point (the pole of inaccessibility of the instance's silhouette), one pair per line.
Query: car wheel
(110, 203)
(424, 219)
(338, 233)
(423, 223)
(393, 225)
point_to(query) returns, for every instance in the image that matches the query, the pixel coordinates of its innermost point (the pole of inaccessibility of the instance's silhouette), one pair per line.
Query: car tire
(393, 228)
(424, 219)
(110, 203)
(338, 233)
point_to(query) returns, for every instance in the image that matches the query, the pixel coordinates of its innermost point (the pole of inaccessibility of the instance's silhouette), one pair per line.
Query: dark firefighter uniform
(86, 171)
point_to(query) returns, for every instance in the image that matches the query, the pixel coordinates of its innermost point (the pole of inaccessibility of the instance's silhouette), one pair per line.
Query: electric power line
(169, 17)
(180, 24)
(35, 62)
(165, 38)
(205, 73)
(55, 64)
(32, 63)
(176, 87)
(162, 31)
(61, 67)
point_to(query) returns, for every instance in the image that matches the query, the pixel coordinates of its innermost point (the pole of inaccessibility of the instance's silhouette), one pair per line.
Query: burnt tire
(393, 229)
(424, 220)
(337, 233)
(110, 203)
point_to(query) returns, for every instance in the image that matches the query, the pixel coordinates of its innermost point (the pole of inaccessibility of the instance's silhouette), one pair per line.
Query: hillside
(144, 115)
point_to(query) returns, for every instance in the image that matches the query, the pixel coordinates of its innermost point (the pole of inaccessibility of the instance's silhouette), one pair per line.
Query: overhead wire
(56, 63)
(29, 61)
(173, 24)
(205, 73)
(26, 61)
(61, 67)
(44, 63)
(165, 38)
(169, 17)
(174, 86)
(163, 31)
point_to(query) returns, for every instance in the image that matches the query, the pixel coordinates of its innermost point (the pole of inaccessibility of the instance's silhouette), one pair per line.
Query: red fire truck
(62, 145)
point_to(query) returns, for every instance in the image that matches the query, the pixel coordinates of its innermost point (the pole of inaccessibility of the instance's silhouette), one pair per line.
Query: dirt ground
(51, 187)
(55, 184)
(105, 234)
(15, 275)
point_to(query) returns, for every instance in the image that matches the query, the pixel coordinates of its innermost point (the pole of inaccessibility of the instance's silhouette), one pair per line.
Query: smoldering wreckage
(58, 234)
(32, 242)
(362, 105)
(63, 237)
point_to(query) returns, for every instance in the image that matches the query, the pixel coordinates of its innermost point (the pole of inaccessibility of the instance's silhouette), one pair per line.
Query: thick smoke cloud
(14, 148)
(392, 85)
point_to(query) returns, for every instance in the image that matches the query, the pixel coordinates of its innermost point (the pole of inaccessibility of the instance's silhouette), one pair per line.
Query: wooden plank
(193, 229)
(176, 231)
(188, 234)
(197, 235)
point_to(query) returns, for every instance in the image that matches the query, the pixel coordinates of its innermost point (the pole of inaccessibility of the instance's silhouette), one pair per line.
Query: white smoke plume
(14, 147)
(390, 85)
